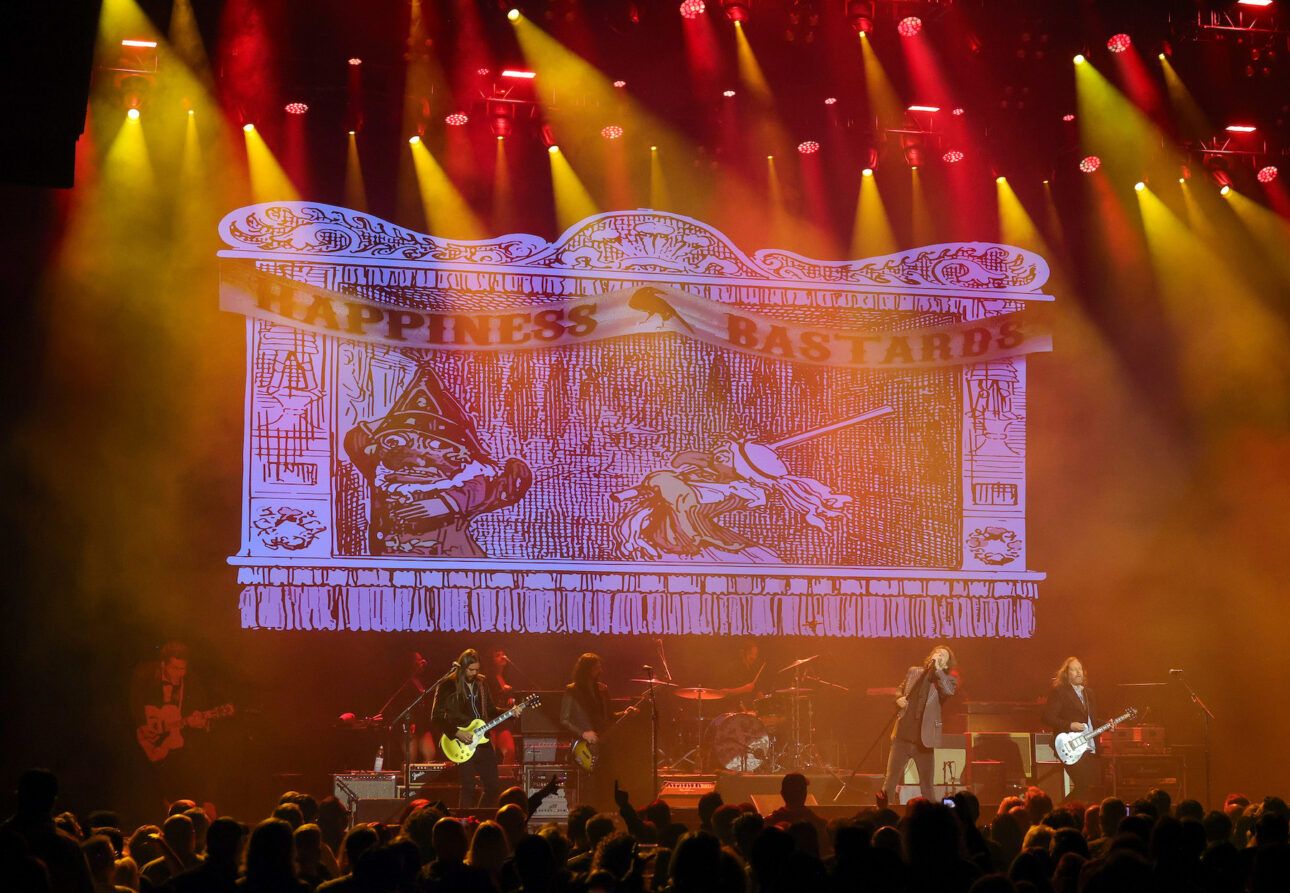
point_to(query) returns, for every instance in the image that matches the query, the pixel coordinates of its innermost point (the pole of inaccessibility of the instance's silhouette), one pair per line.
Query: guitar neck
(1110, 725)
(498, 720)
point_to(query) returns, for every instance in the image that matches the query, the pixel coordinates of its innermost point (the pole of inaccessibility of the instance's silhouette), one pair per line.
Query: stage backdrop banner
(636, 428)
(617, 314)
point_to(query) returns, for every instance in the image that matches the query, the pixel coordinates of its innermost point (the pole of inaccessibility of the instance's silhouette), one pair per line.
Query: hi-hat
(655, 681)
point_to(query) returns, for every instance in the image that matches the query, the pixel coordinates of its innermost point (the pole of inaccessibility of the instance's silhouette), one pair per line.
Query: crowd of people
(305, 845)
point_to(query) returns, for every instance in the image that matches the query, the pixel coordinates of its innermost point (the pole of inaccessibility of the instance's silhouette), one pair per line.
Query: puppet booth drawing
(636, 428)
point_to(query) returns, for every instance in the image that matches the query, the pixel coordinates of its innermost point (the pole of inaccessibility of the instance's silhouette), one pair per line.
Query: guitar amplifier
(556, 806)
(350, 787)
(686, 793)
(428, 773)
(540, 748)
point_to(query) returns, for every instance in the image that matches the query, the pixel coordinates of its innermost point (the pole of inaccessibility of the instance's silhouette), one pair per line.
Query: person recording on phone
(918, 725)
(1071, 707)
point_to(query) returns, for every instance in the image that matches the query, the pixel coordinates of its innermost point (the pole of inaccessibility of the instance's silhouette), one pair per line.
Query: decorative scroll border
(621, 242)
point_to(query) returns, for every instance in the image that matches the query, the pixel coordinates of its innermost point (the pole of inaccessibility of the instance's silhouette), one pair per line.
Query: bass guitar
(459, 751)
(1070, 746)
(584, 754)
(162, 730)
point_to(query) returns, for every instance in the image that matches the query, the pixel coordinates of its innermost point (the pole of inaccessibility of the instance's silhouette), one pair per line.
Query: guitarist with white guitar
(459, 700)
(1072, 708)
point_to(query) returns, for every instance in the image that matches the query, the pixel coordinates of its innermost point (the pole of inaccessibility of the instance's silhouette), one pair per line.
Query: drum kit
(775, 734)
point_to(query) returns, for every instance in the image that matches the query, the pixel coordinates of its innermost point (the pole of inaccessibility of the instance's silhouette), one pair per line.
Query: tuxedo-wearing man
(1072, 707)
(460, 699)
(918, 725)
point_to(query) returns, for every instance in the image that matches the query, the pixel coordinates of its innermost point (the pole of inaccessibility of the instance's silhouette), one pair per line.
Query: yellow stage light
(1139, 186)
(1001, 179)
(413, 140)
(554, 150)
(249, 128)
(1225, 190)
(868, 172)
(1079, 59)
(513, 15)
(133, 114)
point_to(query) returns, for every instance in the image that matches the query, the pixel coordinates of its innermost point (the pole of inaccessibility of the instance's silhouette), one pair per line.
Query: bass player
(460, 699)
(1071, 707)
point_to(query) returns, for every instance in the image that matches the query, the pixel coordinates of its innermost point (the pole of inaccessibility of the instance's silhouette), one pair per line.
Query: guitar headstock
(531, 701)
(221, 712)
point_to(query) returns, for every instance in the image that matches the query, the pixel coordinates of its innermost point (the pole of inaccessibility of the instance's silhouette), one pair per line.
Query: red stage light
(482, 72)
(1068, 118)
(516, 73)
(692, 9)
(953, 156)
(1090, 163)
(139, 43)
(1119, 43)
(612, 132)
(958, 113)
(736, 10)
(1241, 128)
(832, 100)
(456, 119)
(354, 60)
(620, 84)
(727, 93)
(910, 26)
(1253, 2)
(1267, 174)
(296, 108)
(924, 108)
(860, 15)
(808, 147)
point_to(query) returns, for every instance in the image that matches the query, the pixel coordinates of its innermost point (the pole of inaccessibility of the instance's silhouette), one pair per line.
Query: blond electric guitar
(459, 751)
(163, 727)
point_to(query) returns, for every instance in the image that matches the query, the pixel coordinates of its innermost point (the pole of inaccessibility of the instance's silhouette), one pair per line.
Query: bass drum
(737, 742)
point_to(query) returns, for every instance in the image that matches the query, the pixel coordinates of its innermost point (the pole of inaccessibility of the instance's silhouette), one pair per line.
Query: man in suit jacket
(1072, 707)
(918, 726)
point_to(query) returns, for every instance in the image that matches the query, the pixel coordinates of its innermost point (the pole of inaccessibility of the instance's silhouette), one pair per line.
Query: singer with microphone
(461, 698)
(1071, 707)
(917, 731)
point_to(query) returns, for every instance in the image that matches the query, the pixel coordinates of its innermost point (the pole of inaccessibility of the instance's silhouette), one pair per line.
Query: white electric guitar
(1070, 746)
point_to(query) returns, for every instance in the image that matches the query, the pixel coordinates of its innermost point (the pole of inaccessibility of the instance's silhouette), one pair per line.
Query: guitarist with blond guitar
(168, 711)
(459, 700)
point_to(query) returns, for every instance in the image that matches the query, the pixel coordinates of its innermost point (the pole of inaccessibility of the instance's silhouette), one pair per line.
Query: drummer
(743, 677)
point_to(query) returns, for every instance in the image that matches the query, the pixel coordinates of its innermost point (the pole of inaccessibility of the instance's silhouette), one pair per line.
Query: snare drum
(737, 742)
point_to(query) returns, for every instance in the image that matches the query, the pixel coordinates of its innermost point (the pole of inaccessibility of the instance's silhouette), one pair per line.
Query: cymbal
(795, 690)
(700, 694)
(655, 681)
(798, 663)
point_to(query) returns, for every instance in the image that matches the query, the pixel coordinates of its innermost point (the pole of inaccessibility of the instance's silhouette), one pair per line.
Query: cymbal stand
(694, 756)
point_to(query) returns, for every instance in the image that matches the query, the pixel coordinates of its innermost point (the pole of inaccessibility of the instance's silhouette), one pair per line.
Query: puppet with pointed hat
(430, 474)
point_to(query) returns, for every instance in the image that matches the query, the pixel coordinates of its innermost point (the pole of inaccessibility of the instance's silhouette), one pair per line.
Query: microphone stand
(860, 762)
(1206, 715)
(653, 733)
(403, 719)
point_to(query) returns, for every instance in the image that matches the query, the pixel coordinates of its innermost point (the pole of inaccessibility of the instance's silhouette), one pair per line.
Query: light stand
(1206, 715)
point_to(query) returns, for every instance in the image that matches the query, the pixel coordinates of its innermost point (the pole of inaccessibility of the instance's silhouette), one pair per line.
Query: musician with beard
(1071, 707)
(430, 474)
(460, 699)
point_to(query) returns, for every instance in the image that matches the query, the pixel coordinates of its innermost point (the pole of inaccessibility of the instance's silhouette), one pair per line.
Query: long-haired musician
(1072, 707)
(461, 698)
(918, 725)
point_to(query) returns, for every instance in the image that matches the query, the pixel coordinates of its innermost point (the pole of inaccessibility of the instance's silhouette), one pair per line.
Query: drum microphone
(1175, 672)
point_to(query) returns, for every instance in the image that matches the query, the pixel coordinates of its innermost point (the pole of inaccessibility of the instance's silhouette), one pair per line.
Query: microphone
(1175, 672)
(648, 668)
